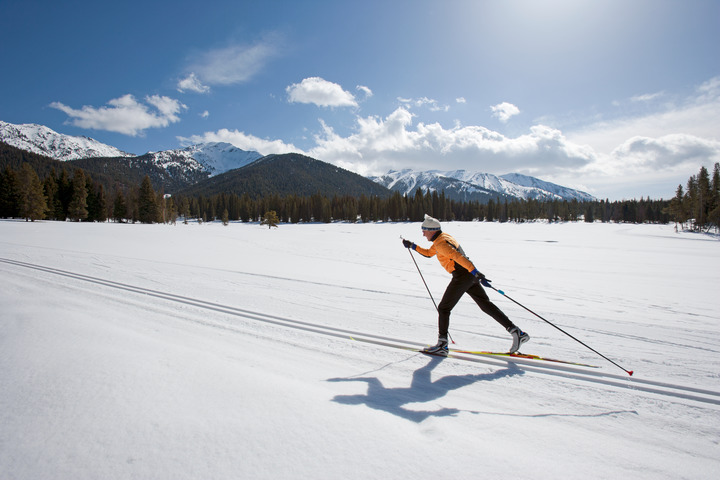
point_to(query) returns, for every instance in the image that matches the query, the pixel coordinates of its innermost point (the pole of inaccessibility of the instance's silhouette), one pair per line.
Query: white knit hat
(430, 223)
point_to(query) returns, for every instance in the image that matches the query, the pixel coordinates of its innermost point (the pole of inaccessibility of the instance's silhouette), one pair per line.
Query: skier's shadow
(421, 390)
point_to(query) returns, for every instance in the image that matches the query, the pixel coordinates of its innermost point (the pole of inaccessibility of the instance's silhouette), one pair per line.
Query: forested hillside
(36, 187)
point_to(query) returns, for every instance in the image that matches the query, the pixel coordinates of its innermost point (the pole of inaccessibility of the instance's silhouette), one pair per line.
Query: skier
(465, 279)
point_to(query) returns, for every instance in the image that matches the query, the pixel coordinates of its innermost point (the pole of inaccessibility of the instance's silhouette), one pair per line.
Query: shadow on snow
(422, 389)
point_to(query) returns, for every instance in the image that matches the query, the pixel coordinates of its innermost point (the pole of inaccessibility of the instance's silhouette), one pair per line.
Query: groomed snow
(213, 352)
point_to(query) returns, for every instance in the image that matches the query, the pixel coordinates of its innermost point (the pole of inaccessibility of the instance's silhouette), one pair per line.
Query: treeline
(698, 206)
(77, 197)
(400, 208)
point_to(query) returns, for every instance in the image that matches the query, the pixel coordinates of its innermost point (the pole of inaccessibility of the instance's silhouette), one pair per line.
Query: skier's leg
(481, 298)
(454, 291)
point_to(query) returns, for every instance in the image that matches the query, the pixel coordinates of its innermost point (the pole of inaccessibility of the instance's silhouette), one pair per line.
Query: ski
(526, 356)
(454, 353)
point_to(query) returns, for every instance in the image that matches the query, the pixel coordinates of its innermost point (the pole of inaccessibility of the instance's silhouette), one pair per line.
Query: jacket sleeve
(426, 252)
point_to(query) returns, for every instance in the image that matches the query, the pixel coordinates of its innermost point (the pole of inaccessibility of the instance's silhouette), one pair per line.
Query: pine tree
(714, 215)
(77, 208)
(270, 219)
(147, 206)
(120, 208)
(102, 204)
(704, 197)
(52, 194)
(65, 192)
(32, 202)
(8, 194)
(171, 210)
(676, 208)
(96, 203)
(185, 209)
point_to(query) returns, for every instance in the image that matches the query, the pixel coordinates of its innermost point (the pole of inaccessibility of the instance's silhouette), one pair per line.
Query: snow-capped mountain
(207, 158)
(44, 141)
(187, 166)
(463, 185)
(214, 158)
(536, 185)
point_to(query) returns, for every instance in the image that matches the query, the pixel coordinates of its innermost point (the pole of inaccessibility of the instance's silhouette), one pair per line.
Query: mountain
(44, 141)
(462, 185)
(170, 170)
(214, 158)
(541, 187)
(128, 171)
(288, 174)
(173, 170)
(221, 167)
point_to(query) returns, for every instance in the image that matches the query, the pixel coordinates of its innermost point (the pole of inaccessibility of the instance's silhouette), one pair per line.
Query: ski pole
(421, 276)
(629, 372)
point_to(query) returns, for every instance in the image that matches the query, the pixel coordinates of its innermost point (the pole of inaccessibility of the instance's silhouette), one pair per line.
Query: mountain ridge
(301, 176)
(181, 169)
(463, 185)
(42, 140)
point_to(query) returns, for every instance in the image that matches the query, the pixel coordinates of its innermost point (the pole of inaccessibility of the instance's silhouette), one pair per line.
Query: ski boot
(441, 349)
(519, 337)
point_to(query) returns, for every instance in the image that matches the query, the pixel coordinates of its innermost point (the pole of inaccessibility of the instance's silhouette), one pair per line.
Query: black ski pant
(463, 282)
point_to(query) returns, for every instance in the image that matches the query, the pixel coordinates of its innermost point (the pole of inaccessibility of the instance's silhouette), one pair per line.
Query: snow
(463, 182)
(42, 140)
(206, 351)
(214, 158)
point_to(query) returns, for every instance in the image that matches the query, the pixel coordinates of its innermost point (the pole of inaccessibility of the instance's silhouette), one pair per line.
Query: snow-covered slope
(537, 185)
(44, 141)
(213, 352)
(214, 158)
(465, 185)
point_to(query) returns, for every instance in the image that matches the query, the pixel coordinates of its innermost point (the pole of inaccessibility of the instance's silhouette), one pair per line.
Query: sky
(619, 98)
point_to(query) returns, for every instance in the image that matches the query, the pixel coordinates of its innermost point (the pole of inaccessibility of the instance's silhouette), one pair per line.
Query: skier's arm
(426, 252)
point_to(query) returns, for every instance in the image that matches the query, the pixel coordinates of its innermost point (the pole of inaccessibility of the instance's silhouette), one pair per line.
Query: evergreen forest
(77, 196)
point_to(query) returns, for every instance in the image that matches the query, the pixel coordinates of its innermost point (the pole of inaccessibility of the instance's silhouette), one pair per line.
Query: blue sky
(620, 98)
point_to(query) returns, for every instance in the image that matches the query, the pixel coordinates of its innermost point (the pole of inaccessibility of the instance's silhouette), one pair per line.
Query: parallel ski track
(566, 371)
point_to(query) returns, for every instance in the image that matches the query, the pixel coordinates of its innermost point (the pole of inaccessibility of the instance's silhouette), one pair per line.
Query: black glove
(408, 244)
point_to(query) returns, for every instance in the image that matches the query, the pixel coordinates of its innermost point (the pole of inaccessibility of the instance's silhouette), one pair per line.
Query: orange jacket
(448, 252)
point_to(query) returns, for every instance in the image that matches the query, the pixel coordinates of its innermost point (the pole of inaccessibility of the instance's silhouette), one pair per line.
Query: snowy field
(213, 352)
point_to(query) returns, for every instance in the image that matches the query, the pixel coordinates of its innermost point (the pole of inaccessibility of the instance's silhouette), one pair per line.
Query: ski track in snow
(228, 352)
(662, 388)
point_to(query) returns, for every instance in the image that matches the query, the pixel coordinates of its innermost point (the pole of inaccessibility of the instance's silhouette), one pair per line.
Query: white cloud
(382, 144)
(663, 154)
(503, 111)
(644, 165)
(431, 104)
(229, 65)
(366, 90)
(193, 84)
(242, 141)
(460, 100)
(646, 97)
(320, 92)
(125, 114)
(205, 114)
(697, 115)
